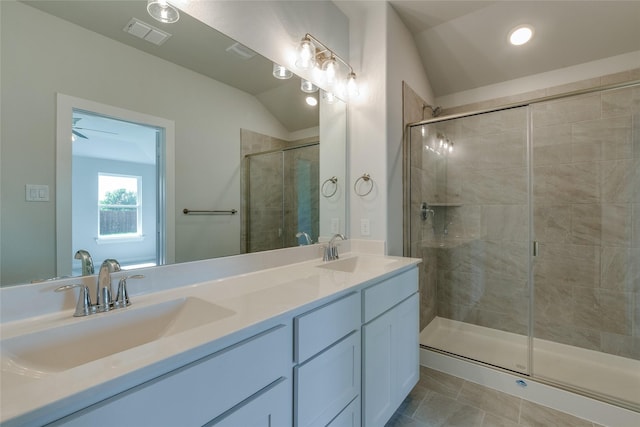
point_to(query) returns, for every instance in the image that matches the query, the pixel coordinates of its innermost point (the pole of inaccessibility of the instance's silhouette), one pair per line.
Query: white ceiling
(463, 44)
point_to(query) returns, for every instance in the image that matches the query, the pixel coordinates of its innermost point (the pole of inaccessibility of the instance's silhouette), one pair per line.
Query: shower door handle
(536, 248)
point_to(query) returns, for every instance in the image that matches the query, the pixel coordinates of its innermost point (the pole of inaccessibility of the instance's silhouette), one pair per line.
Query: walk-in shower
(281, 194)
(528, 222)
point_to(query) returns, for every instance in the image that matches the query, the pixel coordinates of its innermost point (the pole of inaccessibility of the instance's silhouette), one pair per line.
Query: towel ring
(333, 180)
(366, 178)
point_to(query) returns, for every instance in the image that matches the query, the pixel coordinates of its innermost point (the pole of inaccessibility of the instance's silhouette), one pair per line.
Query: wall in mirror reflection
(50, 56)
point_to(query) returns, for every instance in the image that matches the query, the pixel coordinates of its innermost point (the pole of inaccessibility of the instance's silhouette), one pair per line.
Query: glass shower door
(470, 224)
(586, 188)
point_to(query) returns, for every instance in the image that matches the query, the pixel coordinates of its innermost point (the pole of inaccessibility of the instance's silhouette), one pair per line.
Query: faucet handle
(122, 297)
(83, 306)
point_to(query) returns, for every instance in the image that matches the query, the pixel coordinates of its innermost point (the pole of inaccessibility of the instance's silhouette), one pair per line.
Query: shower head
(435, 111)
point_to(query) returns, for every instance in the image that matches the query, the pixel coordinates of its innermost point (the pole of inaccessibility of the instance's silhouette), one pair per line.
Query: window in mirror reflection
(119, 206)
(115, 182)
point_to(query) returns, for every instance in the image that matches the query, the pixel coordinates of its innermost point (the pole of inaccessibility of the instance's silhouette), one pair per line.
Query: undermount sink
(93, 338)
(350, 265)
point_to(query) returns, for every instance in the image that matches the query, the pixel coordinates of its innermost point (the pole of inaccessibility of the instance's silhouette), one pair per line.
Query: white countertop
(254, 299)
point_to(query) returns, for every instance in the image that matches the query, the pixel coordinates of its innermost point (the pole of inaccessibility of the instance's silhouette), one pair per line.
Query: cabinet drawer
(324, 385)
(321, 327)
(270, 407)
(349, 417)
(384, 295)
(200, 391)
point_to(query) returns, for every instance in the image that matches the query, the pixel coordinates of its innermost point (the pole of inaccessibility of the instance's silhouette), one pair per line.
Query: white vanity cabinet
(327, 352)
(390, 347)
(247, 381)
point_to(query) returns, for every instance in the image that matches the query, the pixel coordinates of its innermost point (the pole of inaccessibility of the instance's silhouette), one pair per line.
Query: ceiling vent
(146, 32)
(241, 50)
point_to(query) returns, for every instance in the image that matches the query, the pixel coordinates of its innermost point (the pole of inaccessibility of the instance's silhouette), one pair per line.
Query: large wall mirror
(235, 129)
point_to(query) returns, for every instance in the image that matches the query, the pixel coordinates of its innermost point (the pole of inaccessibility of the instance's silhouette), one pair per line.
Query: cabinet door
(377, 370)
(268, 408)
(326, 383)
(390, 361)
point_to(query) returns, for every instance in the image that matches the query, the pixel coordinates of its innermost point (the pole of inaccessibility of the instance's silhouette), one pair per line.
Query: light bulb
(306, 55)
(280, 72)
(162, 11)
(330, 68)
(520, 35)
(311, 100)
(329, 97)
(307, 87)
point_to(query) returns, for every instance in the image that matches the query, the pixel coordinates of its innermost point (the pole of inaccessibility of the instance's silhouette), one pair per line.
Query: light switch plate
(36, 193)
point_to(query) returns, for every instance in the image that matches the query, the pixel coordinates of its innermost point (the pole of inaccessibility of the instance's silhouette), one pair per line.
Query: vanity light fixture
(520, 35)
(162, 11)
(280, 72)
(313, 53)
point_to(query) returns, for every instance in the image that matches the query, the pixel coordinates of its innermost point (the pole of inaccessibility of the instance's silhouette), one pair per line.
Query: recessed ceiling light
(311, 100)
(520, 35)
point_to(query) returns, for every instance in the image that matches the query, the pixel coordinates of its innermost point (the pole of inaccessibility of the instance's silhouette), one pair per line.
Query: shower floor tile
(443, 400)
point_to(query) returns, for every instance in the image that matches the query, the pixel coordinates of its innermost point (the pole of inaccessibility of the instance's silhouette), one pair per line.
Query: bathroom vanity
(306, 344)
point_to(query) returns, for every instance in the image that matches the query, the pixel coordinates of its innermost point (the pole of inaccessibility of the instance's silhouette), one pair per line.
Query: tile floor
(440, 399)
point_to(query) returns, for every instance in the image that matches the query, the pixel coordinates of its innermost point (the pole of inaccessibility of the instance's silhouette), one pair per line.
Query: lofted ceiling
(463, 44)
(195, 46)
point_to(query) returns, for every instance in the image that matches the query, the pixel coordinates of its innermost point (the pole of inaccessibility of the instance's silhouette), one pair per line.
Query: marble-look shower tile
(586, 224)
(617, 180)
(505, 222)
(635, 225)
(619, 269)
(514, 322)
(604, 139)
(574, 86)
(506, 149)
(486, 186)
(635, 135)
(490, 400)
(569, 110)
(569, 264)
(438, 410)
(534, 415)
(553, 301)
(616, 224)
(493, 123)
(621, 77)
(603, 310)
(624, 101)
(567, 183)
(552, 223)
(505, 296)
(569, 334)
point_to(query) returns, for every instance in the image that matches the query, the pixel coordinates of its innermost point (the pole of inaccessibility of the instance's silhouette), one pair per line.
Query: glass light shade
(328, 97)
(280, 72)
(330, 68)
(307, 87)
(306, 55)
(352, 86)
(162, 11)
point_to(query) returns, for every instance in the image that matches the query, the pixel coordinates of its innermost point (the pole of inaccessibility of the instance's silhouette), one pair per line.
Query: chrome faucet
(307, 238)
(103, 292)
(331, 251)
(86, 261)
(104, 300)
